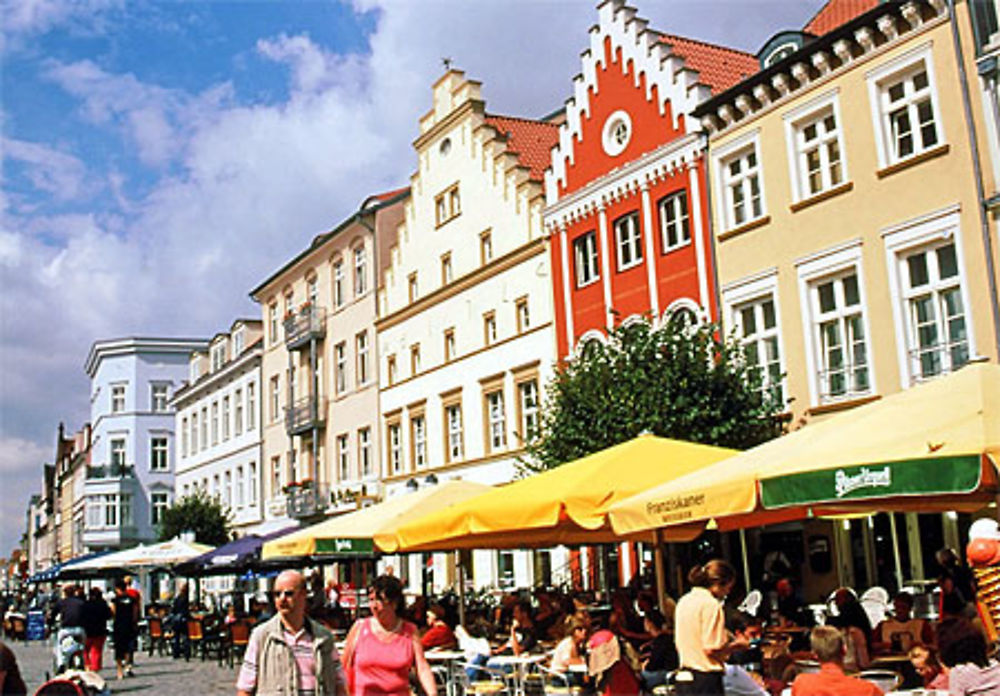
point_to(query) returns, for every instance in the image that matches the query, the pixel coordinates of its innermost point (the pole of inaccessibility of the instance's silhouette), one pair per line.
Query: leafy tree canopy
(198, 513)
(676, 380)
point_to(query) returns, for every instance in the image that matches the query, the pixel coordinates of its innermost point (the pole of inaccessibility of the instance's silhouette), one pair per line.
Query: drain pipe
(970, 125)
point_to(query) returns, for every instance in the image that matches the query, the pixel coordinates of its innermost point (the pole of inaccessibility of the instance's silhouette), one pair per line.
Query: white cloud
(21, 476)
(57, 173)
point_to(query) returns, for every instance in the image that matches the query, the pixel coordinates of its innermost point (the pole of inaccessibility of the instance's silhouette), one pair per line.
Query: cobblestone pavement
(152, 674)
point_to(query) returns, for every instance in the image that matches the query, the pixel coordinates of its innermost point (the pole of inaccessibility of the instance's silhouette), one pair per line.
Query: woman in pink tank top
(381, 650)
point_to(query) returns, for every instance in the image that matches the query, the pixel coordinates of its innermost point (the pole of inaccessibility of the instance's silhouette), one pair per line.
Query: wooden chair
(196, 638)
(157, 640)
(236, 639)
(213, 637)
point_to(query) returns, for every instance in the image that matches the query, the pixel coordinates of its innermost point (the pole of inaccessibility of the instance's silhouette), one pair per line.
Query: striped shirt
(301, 644)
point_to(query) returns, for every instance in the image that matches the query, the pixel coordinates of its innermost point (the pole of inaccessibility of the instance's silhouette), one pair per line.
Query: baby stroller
(607, 666)
(75, 683)
(69, 649)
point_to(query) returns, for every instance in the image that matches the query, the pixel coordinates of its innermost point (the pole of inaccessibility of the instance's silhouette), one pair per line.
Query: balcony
(306, 500)
(303, 326)
(304, 415)
(110, 471)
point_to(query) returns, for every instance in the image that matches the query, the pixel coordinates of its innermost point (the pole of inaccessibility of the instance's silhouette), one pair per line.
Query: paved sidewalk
(160, 674)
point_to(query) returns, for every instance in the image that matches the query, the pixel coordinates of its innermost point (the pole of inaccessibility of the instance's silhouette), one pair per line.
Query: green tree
(198, 513)
(675, 380)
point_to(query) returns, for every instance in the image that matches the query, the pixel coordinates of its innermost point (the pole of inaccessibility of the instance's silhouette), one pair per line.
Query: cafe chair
(751, 603)
(235, 641)
(885, 679)
(157, 638)
(490, 682)
(196, 638)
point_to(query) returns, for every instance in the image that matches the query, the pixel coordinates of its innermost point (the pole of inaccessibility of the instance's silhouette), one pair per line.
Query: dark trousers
(704, 684)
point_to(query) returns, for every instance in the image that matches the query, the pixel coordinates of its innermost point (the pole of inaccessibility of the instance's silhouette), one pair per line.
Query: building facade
(320, 411)
(72, 459)
(217, 419)
(130, 479)
(465, 333)
(627, 206)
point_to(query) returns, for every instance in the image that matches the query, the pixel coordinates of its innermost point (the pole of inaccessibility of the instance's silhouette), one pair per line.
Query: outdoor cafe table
(520, 664)
(450, 658)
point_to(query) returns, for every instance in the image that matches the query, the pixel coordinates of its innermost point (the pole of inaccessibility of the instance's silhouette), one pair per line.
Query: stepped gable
(835, 13)
(532, 141)
(718, 67)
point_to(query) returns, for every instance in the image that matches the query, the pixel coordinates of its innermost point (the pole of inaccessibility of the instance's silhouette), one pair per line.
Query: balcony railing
(302, 326)
(111, 471)
(306, 500)
(305, 414)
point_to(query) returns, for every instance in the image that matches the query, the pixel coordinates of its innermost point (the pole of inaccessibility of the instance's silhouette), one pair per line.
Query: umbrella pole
(661, 579)
(895, 551)
(746, 560)
(461, 588)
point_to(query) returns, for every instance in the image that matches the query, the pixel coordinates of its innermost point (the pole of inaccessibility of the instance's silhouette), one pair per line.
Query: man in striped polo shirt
(290, 654)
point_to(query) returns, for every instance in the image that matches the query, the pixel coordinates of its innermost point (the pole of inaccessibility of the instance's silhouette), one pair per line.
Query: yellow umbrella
(565, 505)
(354, 532)
(932, 445)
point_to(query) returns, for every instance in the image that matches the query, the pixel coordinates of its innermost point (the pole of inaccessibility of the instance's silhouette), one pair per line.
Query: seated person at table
(925, 663)
(659, 655)
(571, 651)
(901, 630)
(522, 640)
(791, 609)
(439, 633)
(970, 671)
(747, 629)
(828, 644)
(625, 622)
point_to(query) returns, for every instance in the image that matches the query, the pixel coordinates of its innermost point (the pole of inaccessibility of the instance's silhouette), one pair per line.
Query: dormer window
(218, 356)
(238, 342)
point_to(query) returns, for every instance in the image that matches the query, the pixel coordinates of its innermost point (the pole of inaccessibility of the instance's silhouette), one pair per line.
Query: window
(453, 425)
(340, 367)
(390, 369)
(338, 284)
(675, 227)
(364, 366)
(395, 448)
(117, 455)
(839, 335)
(117, 398)
(252, 483)
(628, 241)
(415, 359)
(238, 489)
(238, 412)
(158, 400)
(360, 271)
(159, 503)
(490, 328)
(275, 398)
(617, 133)
(218, 356)
(817, 151)
(446, 272)
(937, 339)
(757, 326)
(907, 111)
(365, 451)
(312, 292)
(985, 23)
(485, 247)
(215, 422)
(530, 413)
(272, 322)
(741, 187)
(194, 433)
(227, 489)
(344, 457)
(238, 343)
(522, 316)
(158, 454)
(184, 437)
(216, 487)
(225, 417)
(109, 510)
(251, 406)
(418, 437)
(449, 345)
(275, 475)
(585, 259)
(496, 421)
(447, 205)
(413, 289)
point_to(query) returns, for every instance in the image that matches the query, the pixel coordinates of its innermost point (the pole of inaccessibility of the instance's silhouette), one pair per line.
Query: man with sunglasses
(290, 654)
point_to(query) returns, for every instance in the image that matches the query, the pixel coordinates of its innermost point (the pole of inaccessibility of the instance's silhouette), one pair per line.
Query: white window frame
(754, 290)
(725, 183)
(496, 419)
(796, 121)
(237, 412)
(340, 367)
(453, 423)
(162, 452)
(418, 428)
(833, 263)
(364, 358)
(158, 397)
(159, 501)
(215, 423)
(118, 397)
(360, 270)
(118, 450)
(928, 231)
(338, 283)
(238, 489)
(365, 453)
(252, 483)
(194, 432)
(878, 79)
(531, 408)
(185, 440)
(275, 388)
(586, 262)
(272, 322)
(344, 457)
(395, 447)
(226, 422)
(628, 240)
(677, 205)
(251, 406)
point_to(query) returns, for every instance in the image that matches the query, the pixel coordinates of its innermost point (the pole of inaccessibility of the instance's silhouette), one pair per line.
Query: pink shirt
(383, 667)
(301, 644)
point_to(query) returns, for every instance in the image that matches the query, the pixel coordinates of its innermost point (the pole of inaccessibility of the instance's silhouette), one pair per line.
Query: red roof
(382, 197)
(531, 141)
(718, 67)
(837, 12)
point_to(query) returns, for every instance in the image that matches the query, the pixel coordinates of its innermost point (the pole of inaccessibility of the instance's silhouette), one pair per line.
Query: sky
(162, 158)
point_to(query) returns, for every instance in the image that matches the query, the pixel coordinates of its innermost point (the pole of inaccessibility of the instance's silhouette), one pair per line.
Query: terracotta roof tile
(718, 67)
(531, 141)
(382, 197)
(837, 12)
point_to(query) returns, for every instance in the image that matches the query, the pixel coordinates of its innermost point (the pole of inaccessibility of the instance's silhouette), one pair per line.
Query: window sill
(634, 264)
(580, 286)
(745, 227)
(821, 196)
(913, 161)
(846, 404)
(676, 247)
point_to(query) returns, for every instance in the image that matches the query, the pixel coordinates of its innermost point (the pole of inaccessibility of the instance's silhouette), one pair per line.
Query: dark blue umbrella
(234, 557)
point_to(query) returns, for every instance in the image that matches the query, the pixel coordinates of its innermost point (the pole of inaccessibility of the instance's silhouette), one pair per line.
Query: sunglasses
(283, 593)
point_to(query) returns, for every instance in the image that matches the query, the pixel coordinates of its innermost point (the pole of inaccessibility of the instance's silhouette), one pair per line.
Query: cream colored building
(465, 334)
(320, 442)
(850, 245)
